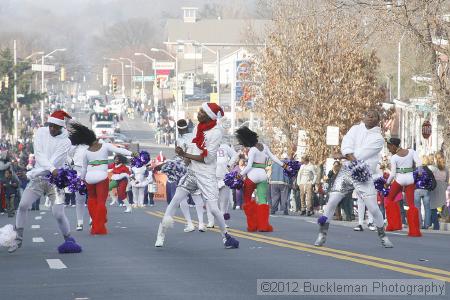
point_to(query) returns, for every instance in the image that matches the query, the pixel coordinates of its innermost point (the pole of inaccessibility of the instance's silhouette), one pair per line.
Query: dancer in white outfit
(76, 155)
(184, 141)
(362, 142)
(226, 157)
(51, 146)
(138, 184)
(201, 173)
(257, 212)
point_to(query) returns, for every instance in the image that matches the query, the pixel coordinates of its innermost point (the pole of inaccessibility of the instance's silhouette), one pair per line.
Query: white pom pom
(7, 236)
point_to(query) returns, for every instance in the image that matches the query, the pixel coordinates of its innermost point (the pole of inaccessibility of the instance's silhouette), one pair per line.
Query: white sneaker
(226, 226)
(189, 228)
(371, 227)
(160, 237)
(202, 228)
(238, 207)
(210, 225)
(79, 227)
(128, 210)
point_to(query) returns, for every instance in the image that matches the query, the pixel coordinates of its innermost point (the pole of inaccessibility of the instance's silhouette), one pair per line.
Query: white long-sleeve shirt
(50, 152)
(307, 174)
(96, 173)
(399, 162)
(213, 138)
(259, 157)
(365, 144)
(226, 156)
(76, 156)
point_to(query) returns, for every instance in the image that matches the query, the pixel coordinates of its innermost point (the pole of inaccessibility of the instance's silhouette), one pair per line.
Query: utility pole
(16, 106)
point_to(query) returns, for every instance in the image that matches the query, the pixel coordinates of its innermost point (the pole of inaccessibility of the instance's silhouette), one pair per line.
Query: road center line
(35, 226)
(43, 212)
(339, 254)
(38, 240)
(56, 264)
(38, 218)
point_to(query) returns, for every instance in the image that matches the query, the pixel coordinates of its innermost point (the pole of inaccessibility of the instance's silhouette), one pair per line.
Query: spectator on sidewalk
(279, 189)
(11, 186)
(437, 196)
(306, 178)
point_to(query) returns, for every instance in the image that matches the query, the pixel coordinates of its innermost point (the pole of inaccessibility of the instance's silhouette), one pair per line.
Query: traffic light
(158, 83)
(63, 74)
(114, 84)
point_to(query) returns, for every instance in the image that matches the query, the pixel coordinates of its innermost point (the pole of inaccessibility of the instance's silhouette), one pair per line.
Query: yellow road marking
(335, 253)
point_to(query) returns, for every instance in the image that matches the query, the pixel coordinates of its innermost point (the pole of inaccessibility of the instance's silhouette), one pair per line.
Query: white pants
(362, 212)
(198, 200)
(80, 201)
(224, 203)
(138, 195)
(190, 184)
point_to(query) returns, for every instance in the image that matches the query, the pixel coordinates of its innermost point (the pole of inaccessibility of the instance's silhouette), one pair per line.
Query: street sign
(164, 65)
(146, 78)
(332, 136)
(47, 68)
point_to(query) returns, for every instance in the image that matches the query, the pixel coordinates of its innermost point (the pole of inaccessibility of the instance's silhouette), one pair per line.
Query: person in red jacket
(119, 180)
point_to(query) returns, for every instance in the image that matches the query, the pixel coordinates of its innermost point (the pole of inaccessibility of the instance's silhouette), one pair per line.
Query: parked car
(102, 128)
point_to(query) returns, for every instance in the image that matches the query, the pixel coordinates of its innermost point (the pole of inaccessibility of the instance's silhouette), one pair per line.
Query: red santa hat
(58, 118)
(213, 110)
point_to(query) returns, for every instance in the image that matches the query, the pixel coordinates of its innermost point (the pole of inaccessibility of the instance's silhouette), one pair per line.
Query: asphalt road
(125, 264)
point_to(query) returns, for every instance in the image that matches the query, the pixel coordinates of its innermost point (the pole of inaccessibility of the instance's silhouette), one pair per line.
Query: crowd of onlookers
(308, 192)
(15, 160)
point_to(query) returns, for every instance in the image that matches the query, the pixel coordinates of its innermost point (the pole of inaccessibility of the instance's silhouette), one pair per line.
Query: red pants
(97, 195)
(122, 189)
(257, 214)
(393, 214)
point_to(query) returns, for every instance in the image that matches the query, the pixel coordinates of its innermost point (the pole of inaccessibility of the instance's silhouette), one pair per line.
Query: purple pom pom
(322, 220)
(293, 167)
(424, 181)
(142, 159)
(379, 186)
(359, 170)
(226, 216)
(232, 181)
(69, 246)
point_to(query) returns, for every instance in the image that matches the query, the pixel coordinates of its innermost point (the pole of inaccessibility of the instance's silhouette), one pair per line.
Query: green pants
(261, 192)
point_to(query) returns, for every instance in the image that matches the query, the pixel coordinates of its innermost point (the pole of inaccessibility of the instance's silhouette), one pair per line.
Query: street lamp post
(42, 65)
(142, 79)
(150, 58)
(132, 74)
(176, 79)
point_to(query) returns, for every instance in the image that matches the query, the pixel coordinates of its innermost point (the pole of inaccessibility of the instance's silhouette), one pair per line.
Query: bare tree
(315, 71)
(428, 23)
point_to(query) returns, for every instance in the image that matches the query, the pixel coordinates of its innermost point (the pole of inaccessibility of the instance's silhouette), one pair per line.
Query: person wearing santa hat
(95, 173)
(51, 146)
(201, 174)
